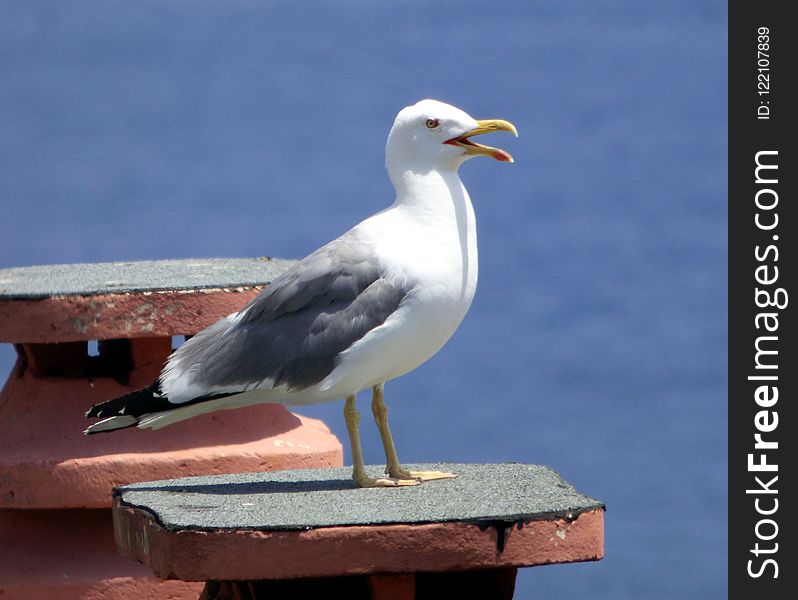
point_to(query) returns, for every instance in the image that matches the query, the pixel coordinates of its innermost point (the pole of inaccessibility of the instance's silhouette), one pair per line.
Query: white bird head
(435, 135)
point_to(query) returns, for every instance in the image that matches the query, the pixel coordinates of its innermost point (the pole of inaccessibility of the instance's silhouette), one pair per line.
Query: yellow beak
(485, 126)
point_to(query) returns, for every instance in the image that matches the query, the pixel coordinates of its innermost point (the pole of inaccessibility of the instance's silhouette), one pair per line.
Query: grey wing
(293, 332)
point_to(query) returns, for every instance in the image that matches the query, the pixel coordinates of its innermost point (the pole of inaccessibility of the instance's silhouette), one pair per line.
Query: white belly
(440, 272)
(412, 335)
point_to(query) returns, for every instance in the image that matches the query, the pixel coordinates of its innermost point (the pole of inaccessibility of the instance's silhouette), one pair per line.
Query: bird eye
(432, 123)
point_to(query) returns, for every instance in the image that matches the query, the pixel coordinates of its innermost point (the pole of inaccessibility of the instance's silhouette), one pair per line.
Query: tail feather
(125, 411)
(134, 404)
(141, 408)
(111, 424)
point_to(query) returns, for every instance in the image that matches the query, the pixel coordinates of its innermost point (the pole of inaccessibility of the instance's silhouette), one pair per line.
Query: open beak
(478, 149)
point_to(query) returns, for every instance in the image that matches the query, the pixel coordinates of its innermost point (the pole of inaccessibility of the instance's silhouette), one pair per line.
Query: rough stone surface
(314, 523)
(137, 276)
(312, 498)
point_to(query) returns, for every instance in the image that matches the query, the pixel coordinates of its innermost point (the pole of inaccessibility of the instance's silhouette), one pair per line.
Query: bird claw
(421, 475)
(369, 482)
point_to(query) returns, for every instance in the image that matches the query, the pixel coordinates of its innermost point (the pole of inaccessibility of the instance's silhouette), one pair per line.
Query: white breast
(429, 249)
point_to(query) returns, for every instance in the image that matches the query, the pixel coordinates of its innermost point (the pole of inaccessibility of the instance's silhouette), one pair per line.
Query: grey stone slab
(312, 498)
(138, 276)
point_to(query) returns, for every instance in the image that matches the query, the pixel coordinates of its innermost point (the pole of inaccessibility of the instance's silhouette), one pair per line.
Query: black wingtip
(126, 404)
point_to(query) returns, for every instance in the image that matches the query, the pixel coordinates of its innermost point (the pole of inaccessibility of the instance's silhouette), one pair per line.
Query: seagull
(369, 306)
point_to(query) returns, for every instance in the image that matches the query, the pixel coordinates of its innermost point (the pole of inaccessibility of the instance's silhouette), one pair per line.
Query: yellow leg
(352, 418)
(394, 467)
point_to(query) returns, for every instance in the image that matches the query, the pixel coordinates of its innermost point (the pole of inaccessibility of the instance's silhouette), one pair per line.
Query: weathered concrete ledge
(315, 523)
(66, 303)
(88, 279)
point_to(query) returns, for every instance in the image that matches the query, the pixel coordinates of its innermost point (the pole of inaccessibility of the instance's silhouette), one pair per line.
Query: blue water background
(597, 340)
